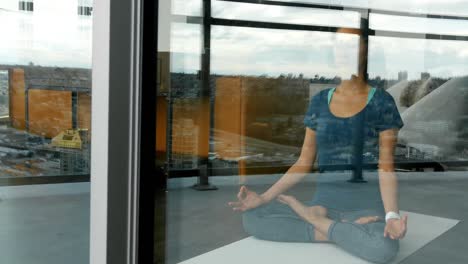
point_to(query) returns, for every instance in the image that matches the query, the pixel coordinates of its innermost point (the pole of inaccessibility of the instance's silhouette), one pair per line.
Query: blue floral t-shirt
(349, 141)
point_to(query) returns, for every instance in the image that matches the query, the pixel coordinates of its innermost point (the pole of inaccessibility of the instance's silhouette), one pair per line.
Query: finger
(239, 209)
(235, 204)
(246, 190)
(403, 233)
(241, 192)
(239, 195)
(393, 234)
(405, 221)
(398, 235)
(403, 225)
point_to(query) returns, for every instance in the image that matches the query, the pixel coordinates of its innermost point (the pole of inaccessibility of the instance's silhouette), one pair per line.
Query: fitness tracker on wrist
(391, 215)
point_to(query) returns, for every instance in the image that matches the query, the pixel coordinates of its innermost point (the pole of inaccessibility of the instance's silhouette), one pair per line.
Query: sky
(52, 35)
(264, 51)
(55, 35)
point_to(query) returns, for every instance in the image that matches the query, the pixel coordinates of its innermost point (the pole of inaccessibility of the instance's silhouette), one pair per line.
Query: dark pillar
(204, 164)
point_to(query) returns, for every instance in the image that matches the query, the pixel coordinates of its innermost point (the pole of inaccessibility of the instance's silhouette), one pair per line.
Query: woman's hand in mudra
(396, 228)
(247, 199)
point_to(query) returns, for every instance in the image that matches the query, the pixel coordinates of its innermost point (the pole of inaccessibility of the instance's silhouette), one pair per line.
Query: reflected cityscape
(46, 129)
(270, 135)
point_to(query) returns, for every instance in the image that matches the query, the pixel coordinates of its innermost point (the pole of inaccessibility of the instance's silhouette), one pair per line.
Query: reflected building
(396, 91)
(406, 93)
(436, 124)
(425, 76)
(4, 99)
(43, 103)
(259, 119)
(402, 76)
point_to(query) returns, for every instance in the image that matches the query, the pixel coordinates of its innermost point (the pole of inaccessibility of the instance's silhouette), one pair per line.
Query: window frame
(123, 119)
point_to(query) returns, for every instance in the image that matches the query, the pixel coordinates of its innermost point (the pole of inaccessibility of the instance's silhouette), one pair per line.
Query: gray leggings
(278, 222)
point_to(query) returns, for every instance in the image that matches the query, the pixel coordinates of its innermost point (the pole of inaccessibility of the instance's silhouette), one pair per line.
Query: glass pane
(432, 7)
(186, 7)
(186, 48)
(427, 91)
(45, 129)
(440, 58)
(419, 25)
(281, 14)
(269, 136)
(269, 52)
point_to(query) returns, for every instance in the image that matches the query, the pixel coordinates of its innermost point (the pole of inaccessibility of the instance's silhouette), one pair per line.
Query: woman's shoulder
(382, 95)
(323, 93)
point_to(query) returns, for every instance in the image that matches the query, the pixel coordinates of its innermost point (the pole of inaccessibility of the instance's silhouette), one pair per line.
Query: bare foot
(316, 215)
(307, 213)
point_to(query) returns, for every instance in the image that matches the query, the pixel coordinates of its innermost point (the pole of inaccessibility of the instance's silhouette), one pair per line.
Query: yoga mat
(421, 230)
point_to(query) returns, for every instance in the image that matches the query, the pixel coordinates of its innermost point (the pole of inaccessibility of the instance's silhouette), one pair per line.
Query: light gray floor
(44, 224)
(201, 221)
(50, 223)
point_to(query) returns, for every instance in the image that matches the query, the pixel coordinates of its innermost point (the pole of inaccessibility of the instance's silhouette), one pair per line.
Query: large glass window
(312, 121)
(45, 131)
(46, 84)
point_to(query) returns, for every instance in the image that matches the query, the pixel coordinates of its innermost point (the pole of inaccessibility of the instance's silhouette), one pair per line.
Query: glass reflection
(292, 106)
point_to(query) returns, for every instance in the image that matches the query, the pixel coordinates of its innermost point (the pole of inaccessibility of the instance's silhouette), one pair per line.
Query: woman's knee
(383, 250)
(250, 221)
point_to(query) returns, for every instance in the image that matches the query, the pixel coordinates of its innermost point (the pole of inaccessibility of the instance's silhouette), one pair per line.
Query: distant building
(69, 8)
(26, 5)
(425, 76)
(436, 128)
(403, 76)
(85, 7)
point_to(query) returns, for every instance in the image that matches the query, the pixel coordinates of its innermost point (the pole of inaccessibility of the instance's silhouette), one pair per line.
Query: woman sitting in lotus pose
(351, 124)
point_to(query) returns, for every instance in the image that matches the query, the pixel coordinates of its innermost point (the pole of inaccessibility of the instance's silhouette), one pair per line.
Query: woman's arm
(394, 228)
(298, 171)
(387, 177)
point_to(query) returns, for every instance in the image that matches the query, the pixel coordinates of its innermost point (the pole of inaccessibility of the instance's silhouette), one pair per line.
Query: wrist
(392, 215)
